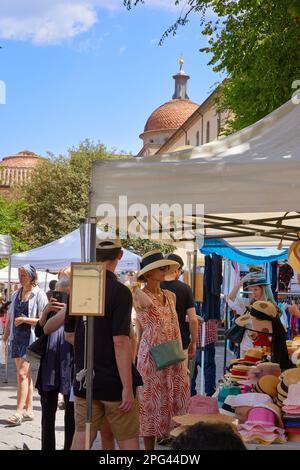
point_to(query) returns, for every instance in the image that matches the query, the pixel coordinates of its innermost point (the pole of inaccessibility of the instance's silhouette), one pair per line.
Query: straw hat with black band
(153, 260)
(267, 311)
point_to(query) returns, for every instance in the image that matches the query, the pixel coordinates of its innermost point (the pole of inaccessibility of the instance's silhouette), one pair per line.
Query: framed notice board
(87, 297)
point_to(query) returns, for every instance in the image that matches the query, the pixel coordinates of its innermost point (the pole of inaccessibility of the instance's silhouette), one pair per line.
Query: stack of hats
(264, 425)
(245, 402)
(252, 356)
(287, 378)
(239, 372)
(264, 368)
(268, 385)
(291, 409)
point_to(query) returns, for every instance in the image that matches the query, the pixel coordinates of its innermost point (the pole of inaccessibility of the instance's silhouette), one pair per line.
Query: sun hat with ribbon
(153, 260)
(267, 384)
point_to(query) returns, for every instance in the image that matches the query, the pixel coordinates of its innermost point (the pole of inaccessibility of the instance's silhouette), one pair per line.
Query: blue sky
(90, 69)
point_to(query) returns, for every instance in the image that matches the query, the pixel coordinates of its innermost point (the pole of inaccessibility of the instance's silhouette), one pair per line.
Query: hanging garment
(212, 287)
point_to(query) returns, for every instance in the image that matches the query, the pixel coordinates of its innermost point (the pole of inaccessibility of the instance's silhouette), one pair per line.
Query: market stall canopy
(5, 245)
(60, 253)
(256, 170)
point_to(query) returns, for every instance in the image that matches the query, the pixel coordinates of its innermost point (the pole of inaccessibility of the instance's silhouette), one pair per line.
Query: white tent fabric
(62, 252)
(5, 245)
(256, 170)
(43, 277)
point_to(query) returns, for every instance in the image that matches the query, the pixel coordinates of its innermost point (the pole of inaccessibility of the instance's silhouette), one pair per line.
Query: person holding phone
(56, 368)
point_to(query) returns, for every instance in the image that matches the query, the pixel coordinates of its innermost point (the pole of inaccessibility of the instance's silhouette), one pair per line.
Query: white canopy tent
(60, 253)
(246, 181)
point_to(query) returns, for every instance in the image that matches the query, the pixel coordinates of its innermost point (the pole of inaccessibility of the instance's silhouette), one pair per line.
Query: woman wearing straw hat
(165, 392)
(259, 289)
(27, 305)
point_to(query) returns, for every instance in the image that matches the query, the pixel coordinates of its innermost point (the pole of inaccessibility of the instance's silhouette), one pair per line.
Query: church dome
(170, 115)
(23, 159)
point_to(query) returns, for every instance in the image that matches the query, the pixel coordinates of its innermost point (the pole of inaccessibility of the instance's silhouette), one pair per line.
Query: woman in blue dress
(27, 305)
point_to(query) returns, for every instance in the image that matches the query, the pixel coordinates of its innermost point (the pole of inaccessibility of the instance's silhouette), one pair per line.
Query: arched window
(197, 139)
(207, 131)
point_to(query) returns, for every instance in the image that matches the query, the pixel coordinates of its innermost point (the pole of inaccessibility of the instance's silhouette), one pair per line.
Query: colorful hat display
(201, 404)
(239, 372)
(261, 426)
(252, 356)
(267, 384)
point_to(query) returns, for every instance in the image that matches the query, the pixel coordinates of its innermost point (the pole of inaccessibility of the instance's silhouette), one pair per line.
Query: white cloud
(57, 21)
(53, 21)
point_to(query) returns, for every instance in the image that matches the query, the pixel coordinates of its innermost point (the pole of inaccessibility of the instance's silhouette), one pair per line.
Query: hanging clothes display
(212, 287)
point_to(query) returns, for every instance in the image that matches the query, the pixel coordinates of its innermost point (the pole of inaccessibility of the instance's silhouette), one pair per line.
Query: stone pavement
(14, 438)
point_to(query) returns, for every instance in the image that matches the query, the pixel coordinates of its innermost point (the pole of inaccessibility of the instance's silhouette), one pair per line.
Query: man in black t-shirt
(185, 307)
(115, 377)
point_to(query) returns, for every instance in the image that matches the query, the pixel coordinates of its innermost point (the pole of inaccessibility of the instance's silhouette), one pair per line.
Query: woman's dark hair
(209, 436)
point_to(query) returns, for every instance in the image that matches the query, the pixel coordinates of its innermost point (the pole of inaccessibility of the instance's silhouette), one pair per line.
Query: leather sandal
(28, 416)
(15, 420)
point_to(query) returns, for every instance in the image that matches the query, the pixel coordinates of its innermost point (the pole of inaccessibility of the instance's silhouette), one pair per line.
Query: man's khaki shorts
(124, 426)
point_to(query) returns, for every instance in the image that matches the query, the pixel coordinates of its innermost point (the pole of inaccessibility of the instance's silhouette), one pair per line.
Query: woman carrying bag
(166, 389)
(26, 307)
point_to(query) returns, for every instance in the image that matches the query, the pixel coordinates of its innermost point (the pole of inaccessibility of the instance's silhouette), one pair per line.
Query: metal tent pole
(90, 348)
(202, 357)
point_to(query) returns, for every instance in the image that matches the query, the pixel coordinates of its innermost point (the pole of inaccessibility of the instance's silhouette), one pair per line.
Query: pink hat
(261, 416)
(293, 398)
(200, 404)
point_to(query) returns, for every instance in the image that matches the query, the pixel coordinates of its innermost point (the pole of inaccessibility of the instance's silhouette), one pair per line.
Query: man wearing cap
(185, 307)
(115, 377)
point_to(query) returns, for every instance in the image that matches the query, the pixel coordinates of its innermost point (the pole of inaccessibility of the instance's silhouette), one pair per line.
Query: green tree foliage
(257, 44)
(57, 196)
(12, 223)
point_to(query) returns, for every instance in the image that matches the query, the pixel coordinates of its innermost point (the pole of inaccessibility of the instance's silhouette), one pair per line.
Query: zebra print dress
(166, 392)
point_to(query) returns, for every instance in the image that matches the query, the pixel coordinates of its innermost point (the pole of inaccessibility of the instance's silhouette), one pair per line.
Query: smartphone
(61, 297)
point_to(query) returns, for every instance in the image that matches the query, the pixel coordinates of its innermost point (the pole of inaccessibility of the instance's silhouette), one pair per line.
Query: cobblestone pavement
(14, 438)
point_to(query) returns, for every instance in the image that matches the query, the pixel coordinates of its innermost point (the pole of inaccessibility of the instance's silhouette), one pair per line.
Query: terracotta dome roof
(170, 115)
(23, 159)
